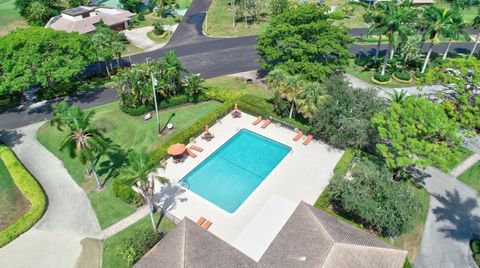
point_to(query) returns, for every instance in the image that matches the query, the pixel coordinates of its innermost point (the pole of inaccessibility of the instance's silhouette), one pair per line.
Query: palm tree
(291, 89)
(410, 48)
(84, 141)
(174, 68)
(276, 78)
(455, 29)
(193, 85)
(476, 26)
(141, 172)
(310, 98)
(439, 21)
(375, 17)
(399, 18)
(398, 96)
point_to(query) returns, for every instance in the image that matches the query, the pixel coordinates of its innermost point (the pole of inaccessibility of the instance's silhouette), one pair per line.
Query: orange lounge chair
(298, 136)
(201, 221)
(266, 123)
(308, 140)
(207, 225)
(196, 148)
(191, 154)
(259, 119)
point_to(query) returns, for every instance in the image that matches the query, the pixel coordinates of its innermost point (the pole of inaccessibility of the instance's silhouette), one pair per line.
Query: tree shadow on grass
(461, 223)
(110, 167)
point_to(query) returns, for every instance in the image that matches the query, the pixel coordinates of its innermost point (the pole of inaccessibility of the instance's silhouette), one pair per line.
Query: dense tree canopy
(303, 41)
(40, 56)
(37, 12)
(343, 118)
(387, 205)
(131, 5)
(415, 132)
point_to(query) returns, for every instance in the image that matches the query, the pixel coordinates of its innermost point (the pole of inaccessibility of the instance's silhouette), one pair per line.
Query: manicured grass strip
(239, 85)
(12, 201)
(30, 189)
(471, 176)
(111, 247)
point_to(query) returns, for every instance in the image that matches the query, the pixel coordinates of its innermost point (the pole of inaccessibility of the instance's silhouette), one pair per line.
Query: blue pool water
(228, 176)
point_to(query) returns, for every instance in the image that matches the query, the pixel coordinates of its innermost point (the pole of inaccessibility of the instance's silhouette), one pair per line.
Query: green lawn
(472, 176)
(111, 253)
(132, 50)
(159, 38)
(127, 132)
(151, 18)
(9, 17)
(220, 22)
(239, 84)
(12, 201)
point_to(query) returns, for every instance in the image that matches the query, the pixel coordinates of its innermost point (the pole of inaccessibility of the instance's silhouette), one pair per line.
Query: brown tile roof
(310, 238)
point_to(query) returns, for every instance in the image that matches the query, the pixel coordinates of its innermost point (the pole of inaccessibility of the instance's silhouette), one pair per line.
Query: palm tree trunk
(427, 58)
(89, 174)
(378, 47)
(94, 171)
(106, 67)
(392, 51)
(150, 210)
(385, 60)
(405, 60)
(291, 109)
(448, 48)
(475, 45)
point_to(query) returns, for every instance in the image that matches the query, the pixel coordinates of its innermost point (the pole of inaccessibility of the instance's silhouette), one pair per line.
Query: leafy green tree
(108, 44)
(51, 59)
(131, 5)
(83, 141)
(173, 69)
(439, 22)
(343, 118)
(375, 17)
(455, 29)
(250, 8)
(194, 86)
(390, 207)
(158, 28)
(76, 3)
(415, 132)
(141, 173)
(302, 41)
(476, 26)
(277, 7)
(37, 12)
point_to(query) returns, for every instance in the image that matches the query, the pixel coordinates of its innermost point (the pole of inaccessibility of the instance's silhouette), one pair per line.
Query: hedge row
(248, 103)
(32, 191)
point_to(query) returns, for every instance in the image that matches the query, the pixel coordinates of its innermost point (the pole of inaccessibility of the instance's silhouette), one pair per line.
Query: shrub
(381, 78)
(347, 9)
(141, 17)
(134, 247)
(390, 207)
(418, 74)
(402, 76)
(136, 111)
(124, 192)
(477, 258)
(475, 246)
(337, 15)
(158, 28)
(30, 188)
(407, 263)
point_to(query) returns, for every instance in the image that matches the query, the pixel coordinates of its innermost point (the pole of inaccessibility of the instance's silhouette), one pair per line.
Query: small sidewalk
(125, 222)
(466, 164)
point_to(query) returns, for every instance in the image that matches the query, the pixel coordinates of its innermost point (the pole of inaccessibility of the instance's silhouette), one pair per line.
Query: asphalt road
(209, 57)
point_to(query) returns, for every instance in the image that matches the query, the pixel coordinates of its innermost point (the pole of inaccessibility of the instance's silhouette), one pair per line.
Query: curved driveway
(58, 238)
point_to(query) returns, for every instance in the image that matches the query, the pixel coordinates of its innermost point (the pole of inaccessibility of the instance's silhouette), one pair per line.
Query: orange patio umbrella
(176, 149)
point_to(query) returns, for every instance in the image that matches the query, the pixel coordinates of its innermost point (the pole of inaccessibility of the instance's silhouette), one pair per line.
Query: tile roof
(310, 238)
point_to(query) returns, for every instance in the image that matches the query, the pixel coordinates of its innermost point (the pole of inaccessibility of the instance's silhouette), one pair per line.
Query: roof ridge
(362, 246)
(318, 221)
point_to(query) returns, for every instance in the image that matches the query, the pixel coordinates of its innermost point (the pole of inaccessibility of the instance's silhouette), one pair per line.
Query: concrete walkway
(466, 164)
(63, 236)
(453, 218)
(125, 222)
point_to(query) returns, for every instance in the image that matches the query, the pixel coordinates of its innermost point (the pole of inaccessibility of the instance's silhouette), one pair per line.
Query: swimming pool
(229, 175)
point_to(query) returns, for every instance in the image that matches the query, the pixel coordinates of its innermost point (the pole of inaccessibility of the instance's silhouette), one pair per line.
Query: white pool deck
(300, 176)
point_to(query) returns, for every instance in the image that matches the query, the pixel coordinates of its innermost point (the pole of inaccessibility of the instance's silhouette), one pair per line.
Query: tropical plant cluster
(134, 247)
(37, 12)
(108, 45)
(406, 29)
(30, 188)
(139, 85)
(388, 206)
